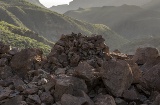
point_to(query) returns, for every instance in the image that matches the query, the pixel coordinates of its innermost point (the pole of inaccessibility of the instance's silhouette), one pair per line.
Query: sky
(50, 3)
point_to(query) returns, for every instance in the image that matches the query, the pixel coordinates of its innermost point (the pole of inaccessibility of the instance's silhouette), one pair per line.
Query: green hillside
(50, 24)
(15, 36)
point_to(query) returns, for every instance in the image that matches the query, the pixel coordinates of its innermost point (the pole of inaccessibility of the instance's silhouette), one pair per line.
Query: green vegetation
(51, 24)
(8, 36)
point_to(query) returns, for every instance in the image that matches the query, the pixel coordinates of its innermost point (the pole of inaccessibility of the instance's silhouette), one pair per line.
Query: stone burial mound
(79, 70)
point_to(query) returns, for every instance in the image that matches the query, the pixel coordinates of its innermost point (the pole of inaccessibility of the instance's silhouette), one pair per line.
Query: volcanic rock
(150, 63)
(35, 98)
(68, 99)
(79, 70)
(151, 78)
(25, 60)
(85, 71)
(131, 95)
(117, 76)
(157, 100)
(137, 73)
(46, 97)
(104, 100)
(142, 55)
(68, 85)
(18, 100)
(71, 49)
(5, 72)
(4, 93)
(4, 48)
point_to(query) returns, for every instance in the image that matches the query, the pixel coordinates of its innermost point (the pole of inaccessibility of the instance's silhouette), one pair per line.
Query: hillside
(132, 22)
(22, 38)
(75, 4)
(50, 24)
(147, 42)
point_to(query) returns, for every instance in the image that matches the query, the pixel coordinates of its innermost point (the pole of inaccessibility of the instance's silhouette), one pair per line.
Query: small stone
(104, 100)
(46, 97)
(35, 98)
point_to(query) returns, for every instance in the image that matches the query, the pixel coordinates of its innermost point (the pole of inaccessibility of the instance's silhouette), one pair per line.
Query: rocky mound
(79, 70)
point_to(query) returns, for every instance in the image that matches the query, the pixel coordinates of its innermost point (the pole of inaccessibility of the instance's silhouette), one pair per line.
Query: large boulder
(117, 76)
(151, 78)
(150, 63)
(85, 71)
(25, 60)
(68, 85)
(142, 55)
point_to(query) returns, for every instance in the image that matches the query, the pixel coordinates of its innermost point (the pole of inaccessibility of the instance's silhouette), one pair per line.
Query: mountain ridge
(130, 21)
(75, 4)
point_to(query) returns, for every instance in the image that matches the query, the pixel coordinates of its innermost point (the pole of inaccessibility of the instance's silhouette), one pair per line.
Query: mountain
(132, 22)
(75, 4)
(153, 5)
(52, 25)
(36, 2)
(22, 38)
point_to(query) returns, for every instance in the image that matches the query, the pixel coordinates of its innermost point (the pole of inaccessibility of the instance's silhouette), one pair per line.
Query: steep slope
(75, 4)
(132, 22)
(147, 42)
(22, 38)
(36, 2)
(50, 24)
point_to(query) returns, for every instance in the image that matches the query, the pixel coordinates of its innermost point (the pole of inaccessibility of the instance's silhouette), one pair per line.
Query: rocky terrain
(79, 70)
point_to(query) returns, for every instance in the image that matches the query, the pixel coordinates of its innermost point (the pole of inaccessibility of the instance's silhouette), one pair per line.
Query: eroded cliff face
(79, 70)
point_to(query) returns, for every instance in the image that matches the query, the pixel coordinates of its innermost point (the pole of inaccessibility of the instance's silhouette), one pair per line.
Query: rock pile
(79, 70)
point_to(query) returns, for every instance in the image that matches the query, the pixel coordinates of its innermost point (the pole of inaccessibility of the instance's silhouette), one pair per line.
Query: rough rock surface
(79, 70)
(142, 55)
(25, 60)
(117, 76)
(104, 100)
(152, 78)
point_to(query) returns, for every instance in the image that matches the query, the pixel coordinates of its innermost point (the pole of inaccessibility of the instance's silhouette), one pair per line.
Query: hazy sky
(49, 3)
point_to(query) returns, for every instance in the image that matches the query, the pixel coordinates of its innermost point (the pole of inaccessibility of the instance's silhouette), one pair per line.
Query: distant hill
(132, 22)
(52, 25)
(153, 5)
(147, 42)
(75, 4)
(22, 38)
